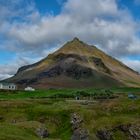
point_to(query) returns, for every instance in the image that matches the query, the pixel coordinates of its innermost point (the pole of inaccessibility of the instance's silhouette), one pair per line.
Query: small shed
(8, 86)
(29, 89)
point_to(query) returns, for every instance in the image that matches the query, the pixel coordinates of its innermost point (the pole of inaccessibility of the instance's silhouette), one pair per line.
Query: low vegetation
(66, 93)
(22, 113)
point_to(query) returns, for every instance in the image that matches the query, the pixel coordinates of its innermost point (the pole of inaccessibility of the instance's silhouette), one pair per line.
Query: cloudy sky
(31, 29)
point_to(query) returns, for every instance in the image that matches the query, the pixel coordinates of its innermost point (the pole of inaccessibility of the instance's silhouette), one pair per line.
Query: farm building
(8, 86)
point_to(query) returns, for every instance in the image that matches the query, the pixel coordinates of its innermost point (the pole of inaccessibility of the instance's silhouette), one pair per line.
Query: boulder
(104, 135)
(79, 133)
(42, 132)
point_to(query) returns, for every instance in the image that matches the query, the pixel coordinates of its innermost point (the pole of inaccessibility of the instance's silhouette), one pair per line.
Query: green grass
(13, 132)
(29, 116)
(31, 110)
(63, 93)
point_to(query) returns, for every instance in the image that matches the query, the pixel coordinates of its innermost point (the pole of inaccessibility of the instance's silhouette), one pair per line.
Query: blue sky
(31, 29)
(47, 6)
(133, 6)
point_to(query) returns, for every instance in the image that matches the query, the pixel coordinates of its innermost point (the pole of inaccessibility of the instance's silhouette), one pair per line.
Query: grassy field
(64, 93)
(21, 113)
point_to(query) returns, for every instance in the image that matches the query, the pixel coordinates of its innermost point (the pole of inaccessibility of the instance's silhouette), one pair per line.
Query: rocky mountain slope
(76, 65)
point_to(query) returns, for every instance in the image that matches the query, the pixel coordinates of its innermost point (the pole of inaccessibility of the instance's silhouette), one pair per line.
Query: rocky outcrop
(131, 132)
(75, 71)
(63, 57)
(104, 135)
(79, 133)
(52, 72)
(42, 132)
(99, 64)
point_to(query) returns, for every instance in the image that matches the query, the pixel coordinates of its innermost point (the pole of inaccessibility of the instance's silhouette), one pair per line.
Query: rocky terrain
(79, 133)
(130, 132)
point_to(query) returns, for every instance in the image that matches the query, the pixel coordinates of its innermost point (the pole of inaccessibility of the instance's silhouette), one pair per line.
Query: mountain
(76, 65)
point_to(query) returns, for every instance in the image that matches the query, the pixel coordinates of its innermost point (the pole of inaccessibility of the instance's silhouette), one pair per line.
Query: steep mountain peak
(75, 46)
(76, 64)
(76, 39)
(75, 42)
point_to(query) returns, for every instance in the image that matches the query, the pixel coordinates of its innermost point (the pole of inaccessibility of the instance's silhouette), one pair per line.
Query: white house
(8, 86)
(29, 89)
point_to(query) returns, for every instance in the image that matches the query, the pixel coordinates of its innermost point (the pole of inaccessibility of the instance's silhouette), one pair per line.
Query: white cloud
(5, 76)
(135, 46)
(8, 70)
(99, 22)
(134, 64)
(91, 8)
